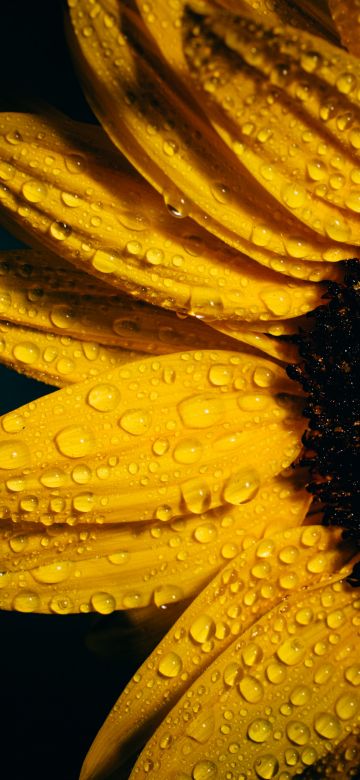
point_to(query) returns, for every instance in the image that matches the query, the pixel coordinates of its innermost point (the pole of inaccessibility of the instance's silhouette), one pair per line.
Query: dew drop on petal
(14, 454)
(170, 665)
(75, 441)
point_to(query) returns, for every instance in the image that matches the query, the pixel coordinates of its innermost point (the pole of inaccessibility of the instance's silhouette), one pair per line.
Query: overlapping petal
(171, 142)
(151, 440)
(237, 655)
(83, 202)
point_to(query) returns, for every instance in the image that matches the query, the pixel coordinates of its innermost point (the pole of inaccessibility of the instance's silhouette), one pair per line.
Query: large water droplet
(75, 441)
(170, 665)
(14, 454)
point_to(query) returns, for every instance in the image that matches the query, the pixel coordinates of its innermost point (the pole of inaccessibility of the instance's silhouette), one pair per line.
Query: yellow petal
(289, 697)
(67, 302)
(87, 207)
(176, 434)
(232, 628)
(65, 569)
(172, 144)
(58, 360)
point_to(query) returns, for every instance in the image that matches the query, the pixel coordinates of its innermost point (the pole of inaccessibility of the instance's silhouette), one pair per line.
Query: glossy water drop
(167, 594)
(205, 533)
(352, 674)
(263, 377)
(187, 451)
(241, 487)
(291, 652)
(298, 732)
(34, 191)
(196, 495)
(202, 728)
(75, 441)
(347, 706)
(170, 665)
(202, 629)
(259, 730)
(13, 422)
(202, 411)
(204, 770)
(300, 695)
(14, 454)
(60, 231)
(266, 766)
(52, 572)
(275, 673)
(136, 421)
(26, 601)
(251, 689)
(53, 478)
(327, 725)
(83, 502)
(26, 352)
(62, 316)
(104, 397)
(103, 602)
(251, 654)
(220, 375)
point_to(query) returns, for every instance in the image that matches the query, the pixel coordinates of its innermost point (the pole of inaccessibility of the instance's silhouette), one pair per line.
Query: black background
(55, 692)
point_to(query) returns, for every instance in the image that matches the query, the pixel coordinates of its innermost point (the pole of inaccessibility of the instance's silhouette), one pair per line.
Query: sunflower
(183, 255)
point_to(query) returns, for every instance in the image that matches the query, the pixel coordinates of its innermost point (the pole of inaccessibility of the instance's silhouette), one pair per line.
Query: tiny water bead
(104, 397)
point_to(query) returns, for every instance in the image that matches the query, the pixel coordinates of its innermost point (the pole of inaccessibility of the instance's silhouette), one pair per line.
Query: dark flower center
(329, 372)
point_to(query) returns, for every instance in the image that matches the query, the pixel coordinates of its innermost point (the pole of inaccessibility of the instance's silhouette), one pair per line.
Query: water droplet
(14, 137)
(202, 411)
(75, 441)
(34, 191)
(52, 573)
(251, 654)
(13, 422)
(154, 256)
(26, 352)
(103, 602)
(136, 421)
(26, 601)
(119, 558)
(291, 651)
(53, 478)
(352, 674)
(204, 770)
(300, 695)
(266, 766)
(259, 730)
(14, 454)
(170, 665)
(298, 732)
(7, 171)
(160, 446)
(202, 629)
(196, 495)
(84, 502)
(241, 487)
(327, 725)
(62, 316)
(188, 451)
(75, 163)
(251, 689)
(104, 397)
(275, 673)
(81, 474)
(61, 605)
(263, 377)
(201, 728)
(277, 301)
(70, 199)
(347, 706)
(230, 675)
(167, 594)
(205, 533)
(60, 230)
(220, 375)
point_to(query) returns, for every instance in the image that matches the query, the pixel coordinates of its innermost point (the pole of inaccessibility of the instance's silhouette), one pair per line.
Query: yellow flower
(161, 469)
